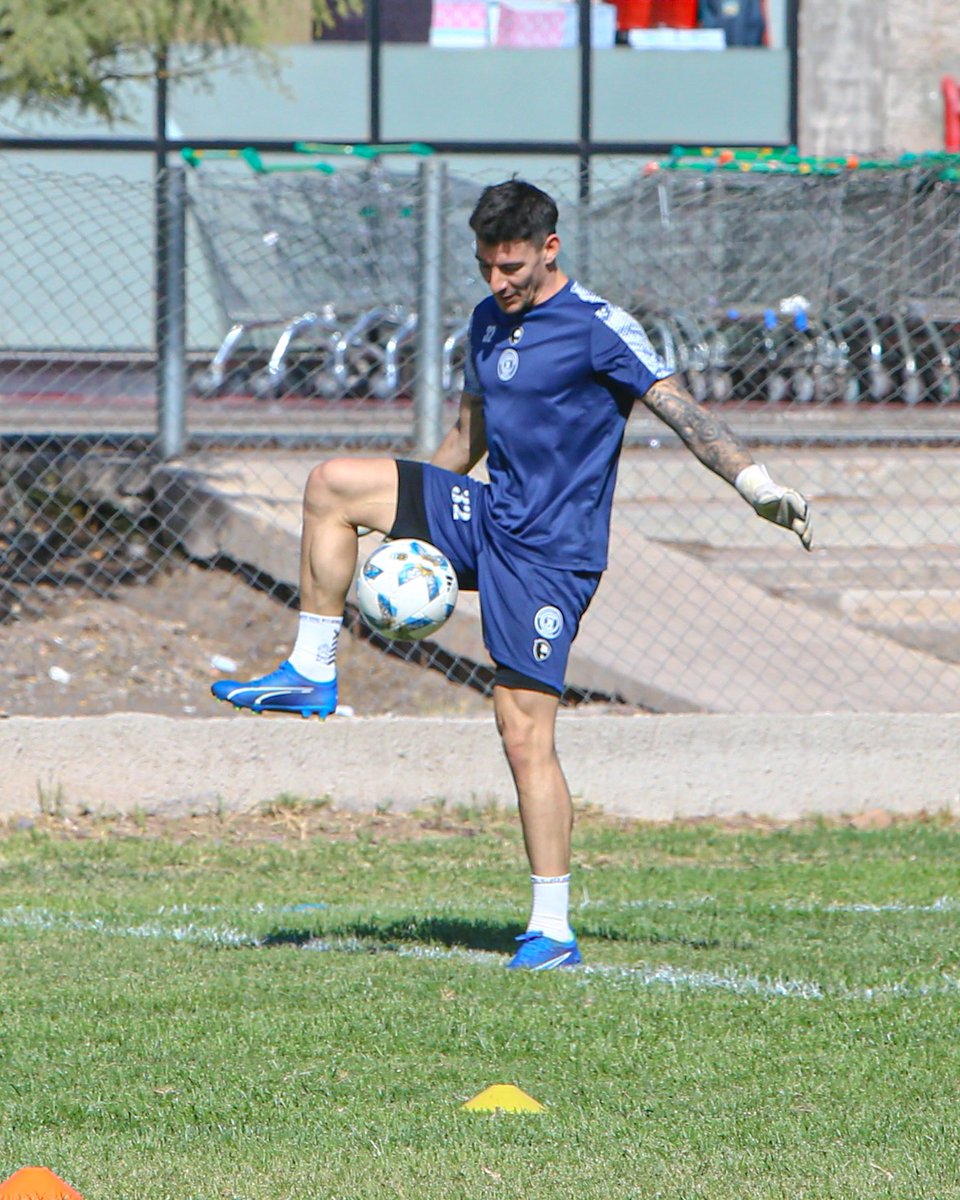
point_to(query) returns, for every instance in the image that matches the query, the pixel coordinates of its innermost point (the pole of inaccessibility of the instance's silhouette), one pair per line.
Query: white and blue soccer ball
(406, 589)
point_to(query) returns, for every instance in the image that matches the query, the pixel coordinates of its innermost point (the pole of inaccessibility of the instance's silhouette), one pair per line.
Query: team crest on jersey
(548, 621)
(541, 649)
(507, 364)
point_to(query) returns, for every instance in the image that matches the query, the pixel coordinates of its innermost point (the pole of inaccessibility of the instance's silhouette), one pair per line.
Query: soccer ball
(406, 590)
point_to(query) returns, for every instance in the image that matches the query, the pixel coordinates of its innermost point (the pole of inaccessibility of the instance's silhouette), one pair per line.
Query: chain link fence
(325, 312)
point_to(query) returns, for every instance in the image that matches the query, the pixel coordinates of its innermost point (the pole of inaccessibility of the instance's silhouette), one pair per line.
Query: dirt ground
(150, 647)
(289, 820)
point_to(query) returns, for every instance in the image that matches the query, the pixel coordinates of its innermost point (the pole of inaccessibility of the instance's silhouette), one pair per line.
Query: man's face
(519, 274)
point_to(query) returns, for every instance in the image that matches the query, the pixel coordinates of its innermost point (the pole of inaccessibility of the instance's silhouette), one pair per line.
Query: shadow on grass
(467, 934)
(427, 931)
(648, 937)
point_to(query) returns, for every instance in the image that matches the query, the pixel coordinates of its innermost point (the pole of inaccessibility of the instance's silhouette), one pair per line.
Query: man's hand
(783, 506)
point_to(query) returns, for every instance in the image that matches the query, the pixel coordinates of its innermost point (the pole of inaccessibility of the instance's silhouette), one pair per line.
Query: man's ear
(551, 248)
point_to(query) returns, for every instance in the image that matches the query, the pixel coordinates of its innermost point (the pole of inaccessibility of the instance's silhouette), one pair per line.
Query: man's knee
(527, 735)
(329, 481)
(354, 491)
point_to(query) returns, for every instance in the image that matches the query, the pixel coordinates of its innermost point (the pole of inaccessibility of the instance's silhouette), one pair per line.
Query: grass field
(297, 1005)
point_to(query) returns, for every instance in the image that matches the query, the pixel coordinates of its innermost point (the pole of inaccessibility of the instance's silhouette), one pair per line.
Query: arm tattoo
(707, 436)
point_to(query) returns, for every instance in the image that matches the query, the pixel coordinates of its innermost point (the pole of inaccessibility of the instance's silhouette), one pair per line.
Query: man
(551, 376)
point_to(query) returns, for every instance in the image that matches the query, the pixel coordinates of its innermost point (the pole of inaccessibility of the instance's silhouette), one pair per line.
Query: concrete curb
(654, 768)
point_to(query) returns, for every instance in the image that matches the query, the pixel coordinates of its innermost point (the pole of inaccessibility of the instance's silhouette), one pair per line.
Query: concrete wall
(870, 74)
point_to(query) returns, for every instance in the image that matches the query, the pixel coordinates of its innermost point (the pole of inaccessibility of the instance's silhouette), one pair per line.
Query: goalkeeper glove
(783, 506)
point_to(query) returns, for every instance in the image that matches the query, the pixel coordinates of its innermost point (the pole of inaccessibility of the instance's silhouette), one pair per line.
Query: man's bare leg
(339, 496)
(526, 721)
(527, 724)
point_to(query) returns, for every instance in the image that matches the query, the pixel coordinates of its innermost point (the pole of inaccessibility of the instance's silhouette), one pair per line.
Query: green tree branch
(75, 55)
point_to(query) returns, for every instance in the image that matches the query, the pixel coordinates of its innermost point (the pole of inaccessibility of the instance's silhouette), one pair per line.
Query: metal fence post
(428, 392)
(171, 313)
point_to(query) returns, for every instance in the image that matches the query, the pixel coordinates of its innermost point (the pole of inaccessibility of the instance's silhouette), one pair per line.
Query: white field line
(735, 982)
(45, 921)
(945, 904)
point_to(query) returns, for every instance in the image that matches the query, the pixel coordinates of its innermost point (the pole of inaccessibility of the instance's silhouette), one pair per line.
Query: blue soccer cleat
(539, 953)
(283, 690)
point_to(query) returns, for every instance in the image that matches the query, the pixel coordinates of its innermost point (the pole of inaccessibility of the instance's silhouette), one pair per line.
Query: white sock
(314, 653)
(551, 903)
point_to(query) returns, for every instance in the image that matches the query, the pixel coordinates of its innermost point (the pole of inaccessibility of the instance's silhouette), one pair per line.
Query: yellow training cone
(36, 1183)
(505, 1097)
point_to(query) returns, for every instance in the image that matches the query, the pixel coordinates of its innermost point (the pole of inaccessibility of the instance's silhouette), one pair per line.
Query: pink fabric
(531, 28)
(460, 14)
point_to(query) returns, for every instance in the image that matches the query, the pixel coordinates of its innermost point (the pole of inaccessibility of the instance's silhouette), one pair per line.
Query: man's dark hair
(513, 211)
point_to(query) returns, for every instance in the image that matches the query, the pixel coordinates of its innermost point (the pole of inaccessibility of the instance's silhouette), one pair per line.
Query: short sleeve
(621, 352)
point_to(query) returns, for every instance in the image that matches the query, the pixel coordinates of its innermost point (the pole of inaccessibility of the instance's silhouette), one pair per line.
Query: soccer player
(551, 375)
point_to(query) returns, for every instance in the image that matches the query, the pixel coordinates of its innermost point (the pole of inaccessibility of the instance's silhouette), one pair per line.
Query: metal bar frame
(584, 147)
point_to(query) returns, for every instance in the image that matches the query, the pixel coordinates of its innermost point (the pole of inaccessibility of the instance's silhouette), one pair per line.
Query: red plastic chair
(676, 14)
(951, 114)
(642, 14)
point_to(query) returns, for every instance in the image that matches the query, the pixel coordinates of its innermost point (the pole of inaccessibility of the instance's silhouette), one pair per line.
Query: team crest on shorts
(548, 621)
(541, 649)
(507, 364)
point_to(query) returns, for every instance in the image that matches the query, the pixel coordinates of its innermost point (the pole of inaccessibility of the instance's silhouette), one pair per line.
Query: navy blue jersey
(558, 383)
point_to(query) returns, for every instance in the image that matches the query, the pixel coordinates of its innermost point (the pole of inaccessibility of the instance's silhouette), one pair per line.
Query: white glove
(783, 506)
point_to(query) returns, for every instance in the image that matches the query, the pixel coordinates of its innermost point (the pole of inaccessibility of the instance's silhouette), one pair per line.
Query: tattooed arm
(719, 448)
(710, 439)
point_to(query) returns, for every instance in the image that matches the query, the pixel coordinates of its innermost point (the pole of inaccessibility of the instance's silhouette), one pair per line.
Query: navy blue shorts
(530, 613)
